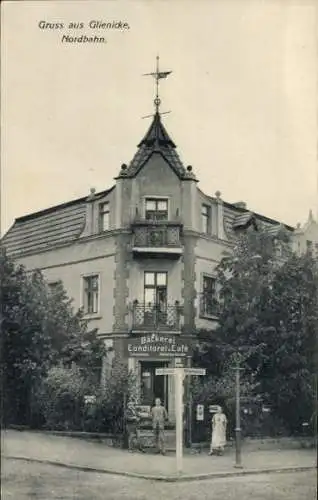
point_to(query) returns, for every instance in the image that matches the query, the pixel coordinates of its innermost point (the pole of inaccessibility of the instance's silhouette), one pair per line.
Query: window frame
(52, 284)
(155, 286)
(206, 217)
(156, 200)
(309, 247)
(204, 313)
(103, 209)
(84, 278)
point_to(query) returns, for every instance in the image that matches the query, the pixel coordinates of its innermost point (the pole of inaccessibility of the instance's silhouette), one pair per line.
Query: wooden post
(179, 417)
(179, 374)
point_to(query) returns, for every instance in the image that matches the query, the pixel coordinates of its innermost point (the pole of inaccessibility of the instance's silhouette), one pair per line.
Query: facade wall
(189, 283)
(121, 277)
(209, 253)
(136, 277)
(70, 264)
(205, 200)
(304, 236)
(157, 179)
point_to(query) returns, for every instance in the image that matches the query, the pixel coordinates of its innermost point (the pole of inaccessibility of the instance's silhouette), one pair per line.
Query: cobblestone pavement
(23, 481)
(78, 452)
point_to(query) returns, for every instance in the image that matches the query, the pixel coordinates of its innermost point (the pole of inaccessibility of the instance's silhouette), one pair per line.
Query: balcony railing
(156, 236)
(148, 316)
(209, 305)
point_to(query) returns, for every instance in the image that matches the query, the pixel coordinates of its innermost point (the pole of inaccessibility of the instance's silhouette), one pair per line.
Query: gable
(157, 172)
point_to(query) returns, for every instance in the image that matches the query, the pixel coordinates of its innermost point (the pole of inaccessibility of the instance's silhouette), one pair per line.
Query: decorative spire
(158, 75)
(157, 140)
(157, 135)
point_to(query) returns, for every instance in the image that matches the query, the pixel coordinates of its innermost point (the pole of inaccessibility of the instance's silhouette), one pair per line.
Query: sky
(242, 96)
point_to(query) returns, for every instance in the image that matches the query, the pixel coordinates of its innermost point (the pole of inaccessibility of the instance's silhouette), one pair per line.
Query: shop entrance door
(153, 386)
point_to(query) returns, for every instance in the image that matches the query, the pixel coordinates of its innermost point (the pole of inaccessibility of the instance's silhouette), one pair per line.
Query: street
(25, 480)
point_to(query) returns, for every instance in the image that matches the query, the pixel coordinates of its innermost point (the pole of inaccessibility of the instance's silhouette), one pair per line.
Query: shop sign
(156, 345)
(200, 412)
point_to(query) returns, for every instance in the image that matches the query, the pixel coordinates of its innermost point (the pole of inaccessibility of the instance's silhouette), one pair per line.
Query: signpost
(200, 413)
(179, 374)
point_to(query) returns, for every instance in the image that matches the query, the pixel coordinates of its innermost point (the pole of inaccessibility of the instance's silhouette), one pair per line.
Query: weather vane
(158, 75)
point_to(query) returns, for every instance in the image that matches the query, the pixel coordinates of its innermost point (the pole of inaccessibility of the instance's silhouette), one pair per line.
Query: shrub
(60, 398)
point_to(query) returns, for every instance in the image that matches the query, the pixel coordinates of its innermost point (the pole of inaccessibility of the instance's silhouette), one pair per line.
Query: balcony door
(155, 289)
(155, 297)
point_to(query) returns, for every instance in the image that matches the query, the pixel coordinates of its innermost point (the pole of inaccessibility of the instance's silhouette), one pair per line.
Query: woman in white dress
(218, 441)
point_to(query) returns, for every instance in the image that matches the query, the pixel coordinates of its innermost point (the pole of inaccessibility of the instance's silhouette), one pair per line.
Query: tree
(39, 330)
(269, 312)
(290, 356)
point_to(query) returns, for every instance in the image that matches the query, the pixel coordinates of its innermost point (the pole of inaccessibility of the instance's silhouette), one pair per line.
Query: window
(53, 286)
(209, 297)
(156, 209)
(155, 312)
(91, 294)
(205, 218)
(278, 247)
(104, 217)
(155, 289)
(309, 247)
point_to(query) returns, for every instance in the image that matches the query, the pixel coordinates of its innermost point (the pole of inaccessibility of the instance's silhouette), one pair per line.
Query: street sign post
(194, 371)
(165, 371)
(179, 374)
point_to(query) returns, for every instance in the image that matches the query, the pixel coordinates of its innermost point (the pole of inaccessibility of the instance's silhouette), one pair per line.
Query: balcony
(209, 306)
(157, 239)
(153, 317)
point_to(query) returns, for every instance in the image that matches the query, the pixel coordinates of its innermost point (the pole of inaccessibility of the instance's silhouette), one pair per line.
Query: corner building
(140, 257)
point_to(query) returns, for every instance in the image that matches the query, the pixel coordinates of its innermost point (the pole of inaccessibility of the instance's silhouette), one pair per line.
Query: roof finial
(310, 216)
(158, 75)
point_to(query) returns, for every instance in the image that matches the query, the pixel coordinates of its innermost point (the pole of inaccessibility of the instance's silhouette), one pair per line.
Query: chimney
(220, 215)
(240, 204)
(89, 222)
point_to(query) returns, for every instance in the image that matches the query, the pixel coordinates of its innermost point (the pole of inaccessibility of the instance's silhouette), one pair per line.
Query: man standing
(159, 416)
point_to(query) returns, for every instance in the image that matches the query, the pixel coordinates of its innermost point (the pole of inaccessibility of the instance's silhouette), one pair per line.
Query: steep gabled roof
(157, 134)
(244, 220)
(157, 140)
(53, 226)
(278, 229)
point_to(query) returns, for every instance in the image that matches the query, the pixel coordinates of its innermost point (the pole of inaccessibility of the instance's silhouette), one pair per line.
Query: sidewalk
(76, 453)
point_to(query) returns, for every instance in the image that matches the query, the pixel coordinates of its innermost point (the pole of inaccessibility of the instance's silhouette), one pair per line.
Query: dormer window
(103, 217)
(156, 209)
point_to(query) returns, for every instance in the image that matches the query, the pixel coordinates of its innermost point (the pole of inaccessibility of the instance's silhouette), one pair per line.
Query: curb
(168, 479)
